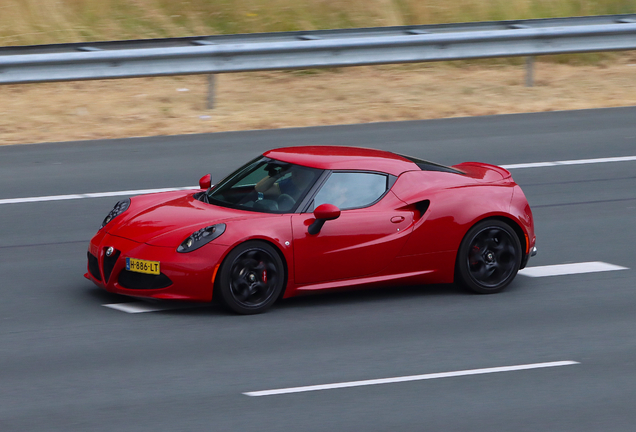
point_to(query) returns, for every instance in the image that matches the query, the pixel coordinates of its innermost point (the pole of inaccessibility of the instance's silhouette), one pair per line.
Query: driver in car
(291, 182)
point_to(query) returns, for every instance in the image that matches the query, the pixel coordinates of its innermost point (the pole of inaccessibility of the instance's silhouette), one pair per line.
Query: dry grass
(52, 21)
(176, 105)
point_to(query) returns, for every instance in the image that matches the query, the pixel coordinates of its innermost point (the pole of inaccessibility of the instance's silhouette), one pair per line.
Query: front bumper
(184, 276)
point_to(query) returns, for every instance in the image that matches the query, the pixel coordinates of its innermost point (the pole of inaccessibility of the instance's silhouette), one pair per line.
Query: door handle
(397, 219)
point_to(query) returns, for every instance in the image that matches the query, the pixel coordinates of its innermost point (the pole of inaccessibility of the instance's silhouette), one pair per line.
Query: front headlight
(201, 237)
(119, 208)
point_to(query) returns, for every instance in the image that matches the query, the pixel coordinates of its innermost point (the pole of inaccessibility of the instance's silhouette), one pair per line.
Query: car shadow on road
(360, 296)
(104, 297)
(372, 295)
(101, 297)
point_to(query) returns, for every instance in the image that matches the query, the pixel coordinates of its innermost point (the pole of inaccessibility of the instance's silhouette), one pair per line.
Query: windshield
(265, 185)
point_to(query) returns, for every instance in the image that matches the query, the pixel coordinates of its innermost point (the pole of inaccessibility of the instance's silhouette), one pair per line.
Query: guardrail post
(529, 71)
(210, 104)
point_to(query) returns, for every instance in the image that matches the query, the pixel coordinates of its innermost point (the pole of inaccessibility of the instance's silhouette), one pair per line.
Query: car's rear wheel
(251, 278)
(489, 257)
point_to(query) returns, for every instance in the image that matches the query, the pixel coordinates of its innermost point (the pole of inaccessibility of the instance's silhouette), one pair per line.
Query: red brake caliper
(475, 251)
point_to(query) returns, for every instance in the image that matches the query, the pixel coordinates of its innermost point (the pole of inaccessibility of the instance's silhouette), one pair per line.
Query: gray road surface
(69, 364)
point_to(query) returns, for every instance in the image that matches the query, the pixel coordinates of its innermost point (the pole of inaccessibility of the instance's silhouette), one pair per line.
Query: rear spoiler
(483, 171)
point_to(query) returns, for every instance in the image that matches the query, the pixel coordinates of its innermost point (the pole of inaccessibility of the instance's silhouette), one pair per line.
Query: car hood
(166, 219)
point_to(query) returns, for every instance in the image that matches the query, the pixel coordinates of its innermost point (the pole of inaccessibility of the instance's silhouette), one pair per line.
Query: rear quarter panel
(520, 211)
(456, 203)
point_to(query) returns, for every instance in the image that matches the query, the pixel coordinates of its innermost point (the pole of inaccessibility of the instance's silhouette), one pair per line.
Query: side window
(348, 190)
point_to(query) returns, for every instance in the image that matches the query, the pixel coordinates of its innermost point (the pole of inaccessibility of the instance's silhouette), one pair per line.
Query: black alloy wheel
(251, 278)
(489, 257)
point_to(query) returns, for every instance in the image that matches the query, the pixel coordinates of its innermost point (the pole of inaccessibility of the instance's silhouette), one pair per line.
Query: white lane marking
(90, 195)
(146, 191)
(570, 162)
(568, 269)
(409, 378)
(141, 307)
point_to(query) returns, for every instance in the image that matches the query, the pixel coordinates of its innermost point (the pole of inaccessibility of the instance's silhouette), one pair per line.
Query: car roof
(344, 158)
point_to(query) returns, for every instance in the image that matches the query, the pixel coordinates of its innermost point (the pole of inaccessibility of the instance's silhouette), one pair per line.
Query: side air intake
(422, 206)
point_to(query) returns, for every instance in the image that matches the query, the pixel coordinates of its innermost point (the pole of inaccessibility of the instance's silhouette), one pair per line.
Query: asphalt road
(69, 364)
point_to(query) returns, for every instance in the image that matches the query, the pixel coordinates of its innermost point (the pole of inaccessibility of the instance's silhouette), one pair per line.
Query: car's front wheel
(489, 257)
(251, 278)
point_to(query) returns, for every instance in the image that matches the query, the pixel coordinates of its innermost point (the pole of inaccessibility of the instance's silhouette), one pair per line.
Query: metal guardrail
(313, 49)
(324, 48)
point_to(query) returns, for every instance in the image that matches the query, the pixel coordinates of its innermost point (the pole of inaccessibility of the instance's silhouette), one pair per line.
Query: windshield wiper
(202, 196)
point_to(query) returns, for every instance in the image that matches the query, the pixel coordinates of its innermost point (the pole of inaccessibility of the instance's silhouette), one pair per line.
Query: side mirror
(323, 213)
(205, 182)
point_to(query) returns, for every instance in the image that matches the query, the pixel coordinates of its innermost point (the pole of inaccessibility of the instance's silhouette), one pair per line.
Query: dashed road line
(90, 195)
(141, 307)
(409, 378)
(570, 162)
(570, 269)
(147, 191)
(538, 271)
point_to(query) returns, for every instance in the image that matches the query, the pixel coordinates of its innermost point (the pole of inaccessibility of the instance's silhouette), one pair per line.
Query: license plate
(142, 266)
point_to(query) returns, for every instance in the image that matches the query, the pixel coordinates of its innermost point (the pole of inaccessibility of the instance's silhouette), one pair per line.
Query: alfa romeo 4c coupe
(306, 219)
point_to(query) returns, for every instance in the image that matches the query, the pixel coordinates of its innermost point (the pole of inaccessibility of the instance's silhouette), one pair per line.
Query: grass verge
(24, 22)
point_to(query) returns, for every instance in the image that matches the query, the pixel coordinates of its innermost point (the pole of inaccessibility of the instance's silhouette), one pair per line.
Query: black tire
(489, 257)
(251, 278)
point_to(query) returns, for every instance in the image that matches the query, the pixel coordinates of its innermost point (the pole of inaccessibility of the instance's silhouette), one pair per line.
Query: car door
(371, 230)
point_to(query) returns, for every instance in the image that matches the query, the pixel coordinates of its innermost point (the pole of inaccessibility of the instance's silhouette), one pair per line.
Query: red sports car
(306, 219)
